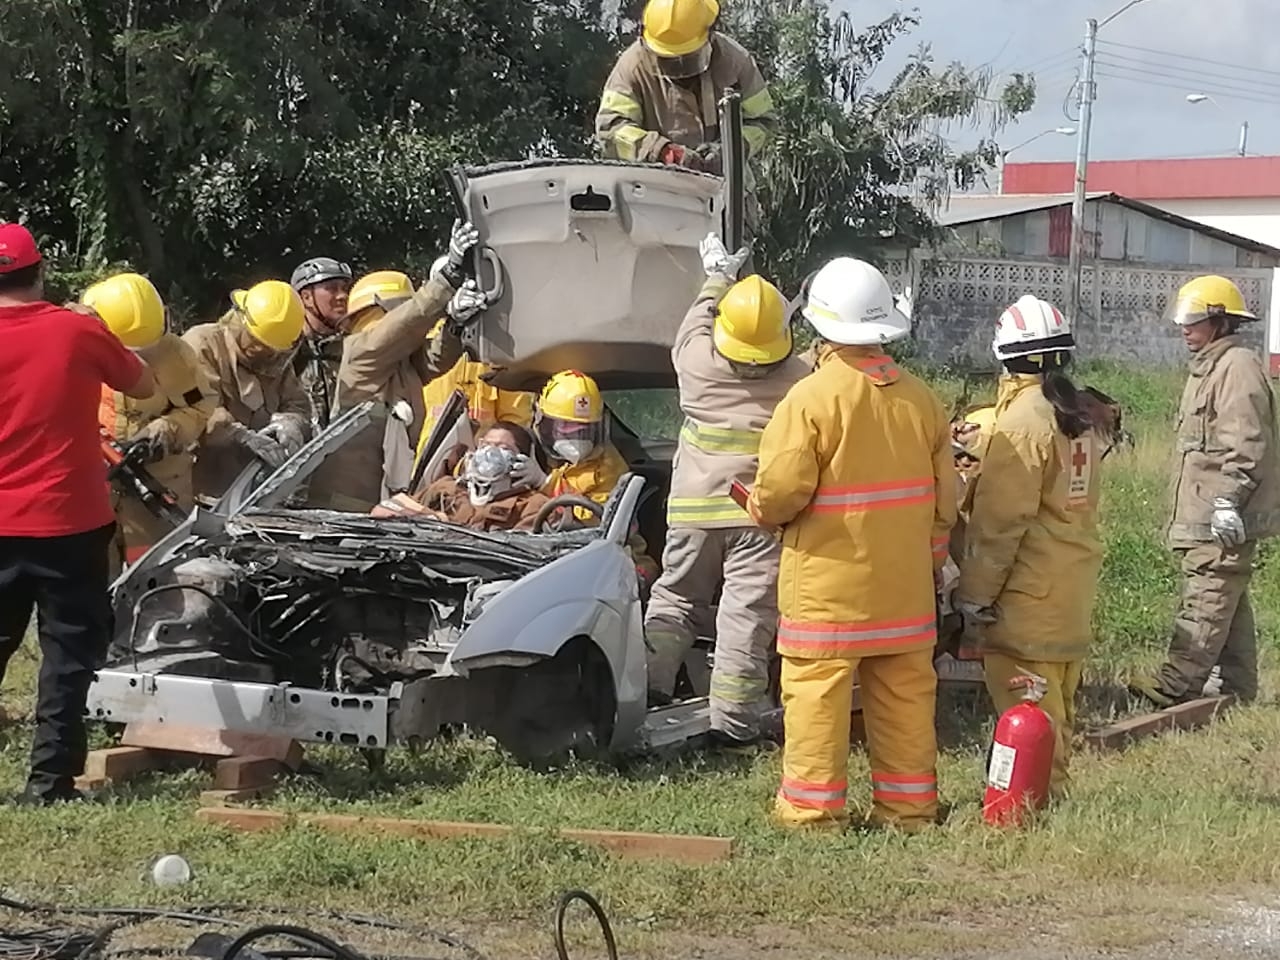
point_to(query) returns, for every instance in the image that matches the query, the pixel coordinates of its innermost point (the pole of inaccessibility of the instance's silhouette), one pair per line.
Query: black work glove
(709, 154)
(145, 450)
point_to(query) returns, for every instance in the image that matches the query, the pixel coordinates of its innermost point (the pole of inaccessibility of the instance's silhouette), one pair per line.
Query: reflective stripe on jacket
(725, 417)
(1031, 545)
(856, 467)
(1226, 445)
(641, 110)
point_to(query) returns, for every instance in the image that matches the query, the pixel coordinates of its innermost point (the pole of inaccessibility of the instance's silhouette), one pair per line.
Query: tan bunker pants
(743, 563)
(1214, 624)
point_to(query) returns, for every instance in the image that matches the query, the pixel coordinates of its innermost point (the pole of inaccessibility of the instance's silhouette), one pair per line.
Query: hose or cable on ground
(562, 907)
(299, 935)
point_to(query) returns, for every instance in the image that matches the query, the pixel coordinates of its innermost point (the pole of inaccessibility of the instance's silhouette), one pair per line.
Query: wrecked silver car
(340, 628)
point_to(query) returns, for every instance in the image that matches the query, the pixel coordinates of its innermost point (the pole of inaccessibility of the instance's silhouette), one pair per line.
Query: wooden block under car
(115, 765)
(208, 742)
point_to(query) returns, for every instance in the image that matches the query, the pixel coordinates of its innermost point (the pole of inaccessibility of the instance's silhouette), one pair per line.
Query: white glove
(905, 303)
(719, 262)
(463, 237)
(286, 429)
(1226, 525)
(466, 304)
(527, 472)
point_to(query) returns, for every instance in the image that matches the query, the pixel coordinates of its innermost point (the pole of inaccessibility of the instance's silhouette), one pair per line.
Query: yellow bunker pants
(898, 699)
(1059, 702)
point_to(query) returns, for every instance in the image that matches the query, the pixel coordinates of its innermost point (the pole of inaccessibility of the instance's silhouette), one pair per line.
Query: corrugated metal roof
(974, 208)
(971, 208)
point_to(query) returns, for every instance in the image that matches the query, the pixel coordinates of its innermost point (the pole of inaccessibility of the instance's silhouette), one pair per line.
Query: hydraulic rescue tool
(132, 480)
(734, 164)
(1021, 759)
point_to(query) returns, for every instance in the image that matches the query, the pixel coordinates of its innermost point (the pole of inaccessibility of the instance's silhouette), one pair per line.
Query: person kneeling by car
(486, 494)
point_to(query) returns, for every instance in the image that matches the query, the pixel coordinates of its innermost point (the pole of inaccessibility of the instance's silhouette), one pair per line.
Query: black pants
(64, 579)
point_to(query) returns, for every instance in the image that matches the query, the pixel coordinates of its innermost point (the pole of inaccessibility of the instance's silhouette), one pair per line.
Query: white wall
(1256, 219)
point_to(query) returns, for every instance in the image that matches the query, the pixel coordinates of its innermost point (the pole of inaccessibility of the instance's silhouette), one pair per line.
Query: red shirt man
(55, 508)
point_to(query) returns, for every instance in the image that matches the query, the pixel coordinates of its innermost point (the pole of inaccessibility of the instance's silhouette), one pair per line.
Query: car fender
(592, 593)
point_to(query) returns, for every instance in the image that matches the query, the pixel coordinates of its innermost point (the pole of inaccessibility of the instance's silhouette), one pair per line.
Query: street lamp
(1087, 93)
(1244, 127)
(1004, 154)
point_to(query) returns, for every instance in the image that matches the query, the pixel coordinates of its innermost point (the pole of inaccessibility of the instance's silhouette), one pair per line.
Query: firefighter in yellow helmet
(1226, 497)
(1032, 554)
(733, 359)
(569, 425)
(661, 102)
(262, 409)
(387, 356)
(856, 470)
(158, 433)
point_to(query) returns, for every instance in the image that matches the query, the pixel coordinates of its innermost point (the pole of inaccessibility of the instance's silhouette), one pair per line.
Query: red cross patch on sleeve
(1079, 473)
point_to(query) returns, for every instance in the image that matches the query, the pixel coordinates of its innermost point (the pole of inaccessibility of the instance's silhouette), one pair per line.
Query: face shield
(683, 68)
(487, 474)
(569, 440)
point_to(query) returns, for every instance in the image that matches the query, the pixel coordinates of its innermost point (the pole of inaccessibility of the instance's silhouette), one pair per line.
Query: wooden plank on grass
(649, 846)
(116, 764)
(209, 742)
(246, 773)
(1184, 716)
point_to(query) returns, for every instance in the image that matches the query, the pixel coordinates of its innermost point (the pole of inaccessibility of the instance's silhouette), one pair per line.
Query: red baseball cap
(17, 248)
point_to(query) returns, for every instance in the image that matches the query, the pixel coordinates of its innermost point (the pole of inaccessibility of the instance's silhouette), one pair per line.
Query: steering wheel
(567, 520)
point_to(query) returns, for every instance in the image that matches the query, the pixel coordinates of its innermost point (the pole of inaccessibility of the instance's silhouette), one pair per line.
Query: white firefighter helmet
(487, 474)
(1031, 326)
(850, 302)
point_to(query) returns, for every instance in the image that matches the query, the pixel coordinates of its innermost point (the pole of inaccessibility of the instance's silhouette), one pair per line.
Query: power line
(1184, 57)
(1193, 76)
(1206, 87)
(1164, 85)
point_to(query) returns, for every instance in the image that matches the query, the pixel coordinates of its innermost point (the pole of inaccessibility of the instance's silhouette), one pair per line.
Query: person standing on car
(1226, 498)
(158, 433)
(1032, 554)
(389, 355)
(661, 103)
(323, 284)
(262, 410)
(856, 470)
(733, 358)
(55, 506)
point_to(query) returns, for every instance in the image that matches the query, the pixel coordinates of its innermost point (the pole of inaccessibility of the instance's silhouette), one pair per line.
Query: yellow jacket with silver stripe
(725, 416)
(641, 110)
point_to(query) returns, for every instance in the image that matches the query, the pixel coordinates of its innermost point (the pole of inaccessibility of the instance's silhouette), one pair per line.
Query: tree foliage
(211, 143)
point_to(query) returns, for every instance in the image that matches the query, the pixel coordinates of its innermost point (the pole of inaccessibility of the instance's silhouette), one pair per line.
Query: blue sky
(1146, 73)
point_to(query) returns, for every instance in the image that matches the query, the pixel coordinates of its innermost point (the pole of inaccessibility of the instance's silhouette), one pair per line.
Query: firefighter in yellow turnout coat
(163, 428)
(1032, 553)
(856, 469)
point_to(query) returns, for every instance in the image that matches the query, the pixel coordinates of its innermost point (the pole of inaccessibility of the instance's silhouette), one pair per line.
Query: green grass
(1158, 830)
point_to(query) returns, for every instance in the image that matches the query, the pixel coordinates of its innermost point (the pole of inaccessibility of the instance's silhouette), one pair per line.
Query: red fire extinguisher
(1021, 760)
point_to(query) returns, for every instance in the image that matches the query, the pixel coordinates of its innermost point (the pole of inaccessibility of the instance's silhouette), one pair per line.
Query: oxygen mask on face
(488, 474)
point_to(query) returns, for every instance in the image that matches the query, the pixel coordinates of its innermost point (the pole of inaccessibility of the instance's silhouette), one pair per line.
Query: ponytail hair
(1070, 409)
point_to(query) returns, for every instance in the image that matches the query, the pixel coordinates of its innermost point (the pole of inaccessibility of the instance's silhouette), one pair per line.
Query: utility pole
(1244, 139)
(1082, 170)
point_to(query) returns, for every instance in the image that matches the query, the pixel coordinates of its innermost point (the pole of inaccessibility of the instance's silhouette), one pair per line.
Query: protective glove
(976, 616)
(674, 155)
(286, 429)
(527, 472)
(709, 154)
(905, 303)
(719, 262)
(462, 239)
(145, 449)
(465, 305)
(266, 449)
(1226, 525)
